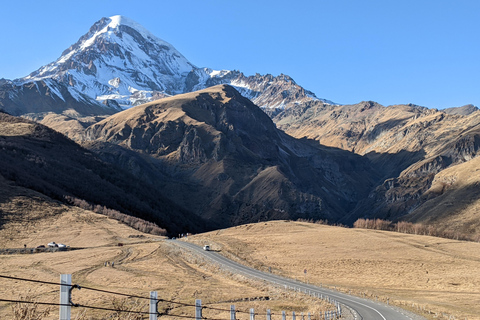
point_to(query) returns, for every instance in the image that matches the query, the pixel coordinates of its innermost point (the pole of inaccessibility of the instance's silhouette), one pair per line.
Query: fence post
(269, 315)
(153, 305)
(232, 312)
(66, 285)
(284, 315)
(198, 309)
(252, 314)
(293, 315)
(309, 316)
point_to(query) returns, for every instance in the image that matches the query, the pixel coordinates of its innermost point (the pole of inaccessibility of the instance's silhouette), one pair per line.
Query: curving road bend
(361, 308)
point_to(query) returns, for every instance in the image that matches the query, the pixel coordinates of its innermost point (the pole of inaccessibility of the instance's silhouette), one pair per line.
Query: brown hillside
(36, 157)
(220, 156)
(409, 146)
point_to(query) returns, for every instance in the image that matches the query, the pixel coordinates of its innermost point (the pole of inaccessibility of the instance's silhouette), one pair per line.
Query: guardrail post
(198, 309)
(153, 305)
(269, 315)
(65, 298)
(293, 315)
(309, 316)
(232, 312)
(284, 315)
(252, 314)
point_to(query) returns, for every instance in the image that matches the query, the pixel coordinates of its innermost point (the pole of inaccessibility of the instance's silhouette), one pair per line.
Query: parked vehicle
(206, 247)
(52, 244)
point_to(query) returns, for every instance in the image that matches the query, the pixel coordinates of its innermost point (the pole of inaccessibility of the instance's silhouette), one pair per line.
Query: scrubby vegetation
(412, 228)
(38, 158)
(134, 222)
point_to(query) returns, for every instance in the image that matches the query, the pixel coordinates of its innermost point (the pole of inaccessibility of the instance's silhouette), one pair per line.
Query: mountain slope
(48, 95)
(118, 64)
(36, 157)
(410, 146)
(118, 59)
(221, 157)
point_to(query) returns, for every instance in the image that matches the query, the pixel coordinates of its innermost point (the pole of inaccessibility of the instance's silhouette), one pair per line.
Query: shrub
(134, 222)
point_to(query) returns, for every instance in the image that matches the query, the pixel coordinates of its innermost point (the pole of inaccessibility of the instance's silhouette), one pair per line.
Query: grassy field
(143, 263)
(420, 273)
(434, 277)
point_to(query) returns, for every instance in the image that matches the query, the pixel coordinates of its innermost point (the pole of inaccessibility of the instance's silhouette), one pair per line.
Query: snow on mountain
(119, 61)
(266, 91)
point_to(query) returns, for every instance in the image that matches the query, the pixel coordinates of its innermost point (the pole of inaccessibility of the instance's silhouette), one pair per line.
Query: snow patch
(52, 88)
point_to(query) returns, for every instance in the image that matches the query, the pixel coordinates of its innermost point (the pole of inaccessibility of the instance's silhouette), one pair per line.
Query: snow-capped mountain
(120, 60)
(119, 64)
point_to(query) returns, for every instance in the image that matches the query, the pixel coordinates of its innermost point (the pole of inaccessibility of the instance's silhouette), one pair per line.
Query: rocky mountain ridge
(118, 64)
(36, 157)
(410, 146)
(221, 157)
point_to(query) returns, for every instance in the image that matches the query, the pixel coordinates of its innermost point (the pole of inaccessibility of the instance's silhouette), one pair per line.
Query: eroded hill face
(410, 146)
(217, 154)
(42, 160)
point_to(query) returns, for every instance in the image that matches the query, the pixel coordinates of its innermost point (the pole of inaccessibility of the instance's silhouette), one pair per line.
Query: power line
(31, 280)
(102, 308)
(34, 302)
(69, 305)
(95, 289)
(116, 293)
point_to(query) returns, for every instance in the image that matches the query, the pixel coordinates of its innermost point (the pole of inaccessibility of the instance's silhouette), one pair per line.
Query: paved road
(362, 308)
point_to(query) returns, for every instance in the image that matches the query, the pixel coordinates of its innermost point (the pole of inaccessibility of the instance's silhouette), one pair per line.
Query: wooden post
(252, 314)
(65, 298)
(198, 309)
(153, 305)
(232, 312)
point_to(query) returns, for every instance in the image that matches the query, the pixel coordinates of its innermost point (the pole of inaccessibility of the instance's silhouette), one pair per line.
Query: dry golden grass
(144, 263)
(414, 272)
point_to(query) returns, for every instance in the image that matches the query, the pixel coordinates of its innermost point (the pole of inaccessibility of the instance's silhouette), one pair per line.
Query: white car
(206, 248)
(52, 245)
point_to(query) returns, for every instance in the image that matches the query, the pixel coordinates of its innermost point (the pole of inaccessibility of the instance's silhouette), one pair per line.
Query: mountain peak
(118, 23)
(119, 62)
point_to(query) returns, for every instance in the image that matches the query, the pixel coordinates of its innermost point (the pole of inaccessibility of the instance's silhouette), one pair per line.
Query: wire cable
(37, 281)
(116, 293)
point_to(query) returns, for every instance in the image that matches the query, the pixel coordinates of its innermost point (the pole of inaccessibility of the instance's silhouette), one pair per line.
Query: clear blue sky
(424, 52)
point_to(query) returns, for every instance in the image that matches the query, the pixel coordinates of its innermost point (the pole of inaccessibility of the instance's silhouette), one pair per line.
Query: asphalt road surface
(361, 308)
